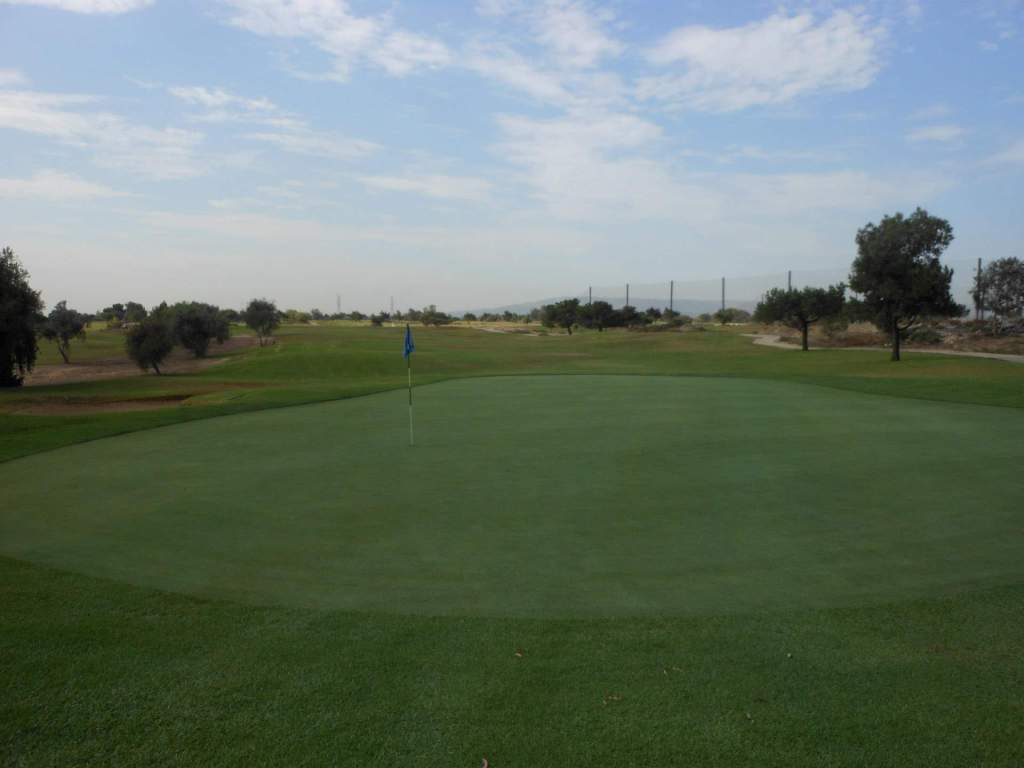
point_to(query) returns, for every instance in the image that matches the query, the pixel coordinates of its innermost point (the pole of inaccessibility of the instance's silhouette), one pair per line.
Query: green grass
(562, 538)
(553, 496)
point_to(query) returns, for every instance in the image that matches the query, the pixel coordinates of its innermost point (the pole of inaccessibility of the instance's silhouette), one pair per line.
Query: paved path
(774, 340)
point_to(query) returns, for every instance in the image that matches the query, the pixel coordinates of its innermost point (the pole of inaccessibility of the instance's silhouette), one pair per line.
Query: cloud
(9, 77)
(937, 133)
(1012, 155)
(574, 32)
(298, 139)
(766, 62)
(53, 186)
(433, 185)
(159, 153)
(592, 165)
(86, 6)
(218, 98)
(347, 38)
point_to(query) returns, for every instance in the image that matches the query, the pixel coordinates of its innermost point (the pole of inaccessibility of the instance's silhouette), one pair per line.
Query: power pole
(671, 294)
(789, 280)
(979, 297)
(627, 294)
(590, 295)
(723, 294)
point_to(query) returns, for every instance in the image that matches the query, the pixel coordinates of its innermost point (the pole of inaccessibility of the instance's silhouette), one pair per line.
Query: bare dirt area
(180, 361)
(77, 407)
(779, 342)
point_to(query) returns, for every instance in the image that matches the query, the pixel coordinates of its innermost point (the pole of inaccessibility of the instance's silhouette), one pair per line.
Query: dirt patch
(774, 340)
(180, 361)
(74, 407)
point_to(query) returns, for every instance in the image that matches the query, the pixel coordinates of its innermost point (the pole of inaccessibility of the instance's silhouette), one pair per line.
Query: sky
(471, 154)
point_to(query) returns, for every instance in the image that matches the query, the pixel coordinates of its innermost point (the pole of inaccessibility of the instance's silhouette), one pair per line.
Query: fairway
(544, 496)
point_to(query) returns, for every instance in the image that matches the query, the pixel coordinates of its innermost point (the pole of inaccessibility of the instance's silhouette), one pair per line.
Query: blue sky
(489, 152)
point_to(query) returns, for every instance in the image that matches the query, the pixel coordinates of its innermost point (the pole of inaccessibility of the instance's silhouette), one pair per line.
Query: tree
(732, 315)
(597, 314)
(114, 315)
(1002, 287)
(62, 326)
(799, 308)
(468, 316)
(134, 312)
(561, 314)
(898, 275)
(20, 313)
(149, 342)
(196, 325)
(433, 316)
(629, 317)
(261, 316)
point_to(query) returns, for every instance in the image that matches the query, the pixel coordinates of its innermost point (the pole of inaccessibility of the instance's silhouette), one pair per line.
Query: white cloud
(9, 77)
(86, 6)
(438, 186)
(574, 32)
(301, 140)
(218, 98)
(1012, 155)
(160, 153)
(347, 38)
(938, 133)
(766, 62)
(53, 186)
(592, 166)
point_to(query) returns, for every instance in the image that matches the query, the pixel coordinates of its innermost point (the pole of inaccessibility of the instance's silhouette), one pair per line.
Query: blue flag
(409, 346)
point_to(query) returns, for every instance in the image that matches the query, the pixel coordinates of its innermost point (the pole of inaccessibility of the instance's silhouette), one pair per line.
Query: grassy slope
(103, 673)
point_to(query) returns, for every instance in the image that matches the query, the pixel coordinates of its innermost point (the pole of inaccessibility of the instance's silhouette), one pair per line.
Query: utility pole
(627, 294)
(979, 297)
(671, 294)
(789, 280)
(723, 294)
(590, 295)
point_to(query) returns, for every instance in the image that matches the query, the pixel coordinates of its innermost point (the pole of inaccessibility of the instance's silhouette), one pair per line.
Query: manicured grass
(918, 661)
(554, 496)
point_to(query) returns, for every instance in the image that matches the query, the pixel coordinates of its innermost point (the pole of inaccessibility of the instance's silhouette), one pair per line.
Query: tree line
(151, 334)
(897, 280)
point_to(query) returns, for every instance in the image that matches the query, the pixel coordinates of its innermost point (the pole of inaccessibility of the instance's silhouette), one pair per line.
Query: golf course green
(605, 549)
(544, 496)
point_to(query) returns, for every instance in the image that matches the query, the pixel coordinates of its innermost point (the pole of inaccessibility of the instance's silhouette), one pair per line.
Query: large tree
(62, 326)
(898, 275)
(799, 308)
(197, 324)
(597, 314)
(149, 342)
(20, 315)
(261, 315)
(563, 314)
(1001, 288)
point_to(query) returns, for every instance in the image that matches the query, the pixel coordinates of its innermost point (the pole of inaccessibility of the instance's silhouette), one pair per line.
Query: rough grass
(98, 672)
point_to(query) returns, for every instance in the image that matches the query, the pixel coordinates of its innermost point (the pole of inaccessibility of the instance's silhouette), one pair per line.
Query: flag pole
(408, 360)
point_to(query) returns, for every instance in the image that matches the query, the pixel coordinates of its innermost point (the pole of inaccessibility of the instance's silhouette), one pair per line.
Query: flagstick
(408, 359)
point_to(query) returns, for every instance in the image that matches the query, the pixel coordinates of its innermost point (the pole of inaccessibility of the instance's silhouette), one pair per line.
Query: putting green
(544, 496)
